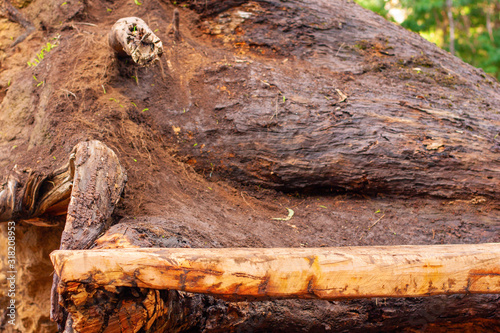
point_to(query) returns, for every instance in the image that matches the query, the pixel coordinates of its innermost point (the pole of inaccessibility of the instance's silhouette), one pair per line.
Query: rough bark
(131, 36)
(290, 95)
(86, 190)
(338, 99)
(38, 197)
(324, 273)
(98, 183)
(35, 197)
(106, 309)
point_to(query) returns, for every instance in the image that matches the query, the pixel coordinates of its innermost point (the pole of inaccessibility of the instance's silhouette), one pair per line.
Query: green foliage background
(477, 26)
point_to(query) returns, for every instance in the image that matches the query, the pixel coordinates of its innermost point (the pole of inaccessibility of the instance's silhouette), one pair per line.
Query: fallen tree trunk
(289, 95)
(324, 273)
(323, 94)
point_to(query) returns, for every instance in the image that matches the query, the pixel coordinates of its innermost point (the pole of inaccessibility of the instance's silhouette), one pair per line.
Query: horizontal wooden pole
(325, 273)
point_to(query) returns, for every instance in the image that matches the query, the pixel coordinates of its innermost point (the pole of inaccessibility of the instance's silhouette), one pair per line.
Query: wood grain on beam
(325, 273)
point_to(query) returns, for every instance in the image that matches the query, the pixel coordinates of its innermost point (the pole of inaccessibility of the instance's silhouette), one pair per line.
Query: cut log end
(131, 36)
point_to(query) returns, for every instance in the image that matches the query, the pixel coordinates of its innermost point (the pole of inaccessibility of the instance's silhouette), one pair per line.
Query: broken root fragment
(131, 36)
(13, 14)
(37, 197)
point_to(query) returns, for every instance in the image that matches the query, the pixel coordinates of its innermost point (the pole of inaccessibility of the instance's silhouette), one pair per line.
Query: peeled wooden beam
(325, 273)
(132, 36)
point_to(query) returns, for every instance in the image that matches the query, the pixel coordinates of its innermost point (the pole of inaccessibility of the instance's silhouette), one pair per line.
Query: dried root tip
(131, 36)
(175, 24)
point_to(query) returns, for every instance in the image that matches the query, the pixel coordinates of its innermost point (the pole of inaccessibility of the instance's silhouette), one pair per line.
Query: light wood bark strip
(325, 273)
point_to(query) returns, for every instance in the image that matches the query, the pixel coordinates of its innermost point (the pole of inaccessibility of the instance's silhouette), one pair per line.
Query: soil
(159, 119)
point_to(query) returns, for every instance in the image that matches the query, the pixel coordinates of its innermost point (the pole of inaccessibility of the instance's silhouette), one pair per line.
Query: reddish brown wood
(97, 184)
(414, 119)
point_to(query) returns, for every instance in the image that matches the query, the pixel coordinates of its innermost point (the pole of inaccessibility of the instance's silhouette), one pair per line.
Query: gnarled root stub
(98, 182)
(131, 36)
(35, 197)
(8, 198)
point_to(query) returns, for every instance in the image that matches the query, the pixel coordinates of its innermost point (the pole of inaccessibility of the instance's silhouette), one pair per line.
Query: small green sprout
(109, 10)
(195, 145)
(102, 85)
(134, 104)
(64, 3)
(41, 55)
(284, 99)
(137, 2)
(146, 109)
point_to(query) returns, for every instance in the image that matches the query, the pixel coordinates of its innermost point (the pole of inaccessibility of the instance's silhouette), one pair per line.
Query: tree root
(98, 181)
(37, 198)
(131, 36)
(15, 15)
